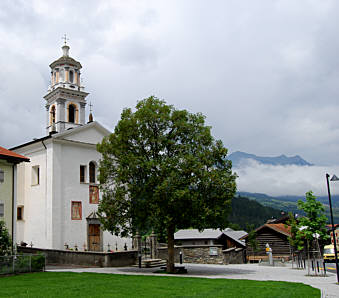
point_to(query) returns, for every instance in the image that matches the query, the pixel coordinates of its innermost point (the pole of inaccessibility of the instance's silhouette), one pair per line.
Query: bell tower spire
(66, 99)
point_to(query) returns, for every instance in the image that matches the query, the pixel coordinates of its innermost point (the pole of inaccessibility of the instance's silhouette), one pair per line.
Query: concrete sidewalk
(327, 284)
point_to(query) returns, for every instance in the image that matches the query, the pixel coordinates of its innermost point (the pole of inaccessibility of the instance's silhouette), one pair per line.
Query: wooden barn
(276, 235)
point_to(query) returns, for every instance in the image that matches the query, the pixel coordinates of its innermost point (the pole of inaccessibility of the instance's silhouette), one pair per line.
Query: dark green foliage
(252, 238)
(296, 241)
(67, 284)
(314, 220)
(290, 203)
(22, 263)
(5, 240)
(38, 262)
(161, 168)
(246, 211)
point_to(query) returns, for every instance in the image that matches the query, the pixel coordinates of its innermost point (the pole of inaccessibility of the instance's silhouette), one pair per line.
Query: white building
(58, 191)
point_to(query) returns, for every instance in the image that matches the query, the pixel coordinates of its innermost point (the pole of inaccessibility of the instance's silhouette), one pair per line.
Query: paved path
(327, 284)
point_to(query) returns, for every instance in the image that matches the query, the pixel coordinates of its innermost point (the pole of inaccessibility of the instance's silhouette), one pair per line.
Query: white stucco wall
(74, 232)
(47, 207)
(33, 197)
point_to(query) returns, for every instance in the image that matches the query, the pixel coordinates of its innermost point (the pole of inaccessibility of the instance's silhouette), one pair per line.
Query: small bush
(38, 262)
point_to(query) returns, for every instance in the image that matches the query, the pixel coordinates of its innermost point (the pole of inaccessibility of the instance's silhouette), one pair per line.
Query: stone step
(150, 263)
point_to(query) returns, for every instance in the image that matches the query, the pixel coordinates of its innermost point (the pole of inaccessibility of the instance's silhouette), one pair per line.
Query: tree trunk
(170, 247)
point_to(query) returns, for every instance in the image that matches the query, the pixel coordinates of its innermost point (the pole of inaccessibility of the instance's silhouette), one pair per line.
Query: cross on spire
(65, 39)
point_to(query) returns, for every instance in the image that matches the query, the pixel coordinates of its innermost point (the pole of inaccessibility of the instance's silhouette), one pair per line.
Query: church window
(62, 75)
(76, 211)
(82, 173)
(2, 209)
(20, 213)
(35, 175)
(53, 114)
(71, 113)
(71, 76)
(92, 171)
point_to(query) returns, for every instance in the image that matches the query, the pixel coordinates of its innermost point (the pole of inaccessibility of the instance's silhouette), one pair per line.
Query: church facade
(58, 191)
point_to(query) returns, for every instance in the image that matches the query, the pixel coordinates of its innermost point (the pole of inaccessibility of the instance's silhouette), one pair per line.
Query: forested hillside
(246, 211)
(289, 203)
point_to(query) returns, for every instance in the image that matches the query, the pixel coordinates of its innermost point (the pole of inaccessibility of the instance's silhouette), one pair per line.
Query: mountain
(239, 158)
(289, 203)
(249, 212)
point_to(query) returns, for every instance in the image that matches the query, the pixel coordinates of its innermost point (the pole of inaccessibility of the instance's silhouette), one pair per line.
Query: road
(331, 267)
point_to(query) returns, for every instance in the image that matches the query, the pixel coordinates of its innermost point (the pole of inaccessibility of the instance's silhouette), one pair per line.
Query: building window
(35, 175)
(62, 75)
(82, 174)
(93, 194)
(71, 113)
(2, 209)
(76, 210)
(92, 172)
(2, 176)
(20, 213)
(71, 76)
(52, 115)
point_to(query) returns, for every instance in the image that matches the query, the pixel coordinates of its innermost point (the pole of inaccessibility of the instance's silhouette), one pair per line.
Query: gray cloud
(264, 74)
(285, 180)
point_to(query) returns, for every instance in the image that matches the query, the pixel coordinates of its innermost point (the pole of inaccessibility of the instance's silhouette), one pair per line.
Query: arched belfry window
(71, 76)
(62, 75)
(71, 113)
(92, 171)
(52, 115)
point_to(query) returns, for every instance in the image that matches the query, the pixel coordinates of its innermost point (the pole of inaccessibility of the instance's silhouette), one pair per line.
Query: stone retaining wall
(85, 258)
(234, 256)
(203, 254)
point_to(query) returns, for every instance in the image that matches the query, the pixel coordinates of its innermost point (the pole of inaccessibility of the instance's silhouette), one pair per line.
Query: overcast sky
(264, 73)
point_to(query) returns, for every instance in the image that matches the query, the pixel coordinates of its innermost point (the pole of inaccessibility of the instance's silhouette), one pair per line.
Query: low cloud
(284, 180)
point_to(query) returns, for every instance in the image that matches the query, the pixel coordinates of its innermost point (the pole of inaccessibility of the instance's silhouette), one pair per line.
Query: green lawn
(66, 284)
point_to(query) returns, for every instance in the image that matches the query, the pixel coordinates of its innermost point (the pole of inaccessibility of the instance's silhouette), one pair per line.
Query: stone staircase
(150, 263)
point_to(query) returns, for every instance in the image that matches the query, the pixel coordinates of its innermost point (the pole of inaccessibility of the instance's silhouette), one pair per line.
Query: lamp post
(334, 178)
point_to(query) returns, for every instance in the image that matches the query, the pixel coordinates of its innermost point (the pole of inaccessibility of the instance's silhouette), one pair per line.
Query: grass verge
(68, 284)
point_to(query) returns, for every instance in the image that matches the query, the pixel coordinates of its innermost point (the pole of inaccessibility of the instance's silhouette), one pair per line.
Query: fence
(314, 266)
(21, 263)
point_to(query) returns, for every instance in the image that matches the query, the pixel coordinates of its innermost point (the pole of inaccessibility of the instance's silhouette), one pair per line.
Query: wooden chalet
(276, 235)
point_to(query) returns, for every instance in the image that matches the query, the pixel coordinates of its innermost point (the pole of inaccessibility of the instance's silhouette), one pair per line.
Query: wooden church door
(94, 237)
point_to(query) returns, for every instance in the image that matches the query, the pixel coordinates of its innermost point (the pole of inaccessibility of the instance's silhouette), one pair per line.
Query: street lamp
(334, 178)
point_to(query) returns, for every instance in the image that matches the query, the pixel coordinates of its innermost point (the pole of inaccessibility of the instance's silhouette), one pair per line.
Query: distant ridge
(238, 158)
(289, 203)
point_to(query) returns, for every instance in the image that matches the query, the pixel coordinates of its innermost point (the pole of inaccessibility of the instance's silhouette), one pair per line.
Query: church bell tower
(65, 100)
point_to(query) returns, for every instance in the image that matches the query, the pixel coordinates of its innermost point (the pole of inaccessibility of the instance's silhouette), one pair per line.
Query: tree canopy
(305, 228)
(161, 168)
(315, 219)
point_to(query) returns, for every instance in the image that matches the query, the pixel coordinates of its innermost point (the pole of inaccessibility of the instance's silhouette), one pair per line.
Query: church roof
(82, 127)
(11, 156)
(31, 142)
(65, 133)
(65, 60)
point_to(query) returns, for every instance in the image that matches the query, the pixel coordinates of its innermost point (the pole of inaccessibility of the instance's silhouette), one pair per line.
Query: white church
(58, 191)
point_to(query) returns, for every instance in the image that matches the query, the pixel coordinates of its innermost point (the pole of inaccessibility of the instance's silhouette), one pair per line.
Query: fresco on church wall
(93, 194)
(76, 210)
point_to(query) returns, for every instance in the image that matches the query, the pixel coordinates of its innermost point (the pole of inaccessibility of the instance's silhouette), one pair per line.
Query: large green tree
(161, 168)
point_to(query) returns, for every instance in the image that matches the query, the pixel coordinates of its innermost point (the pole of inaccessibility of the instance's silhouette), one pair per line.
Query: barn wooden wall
(278, 242)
